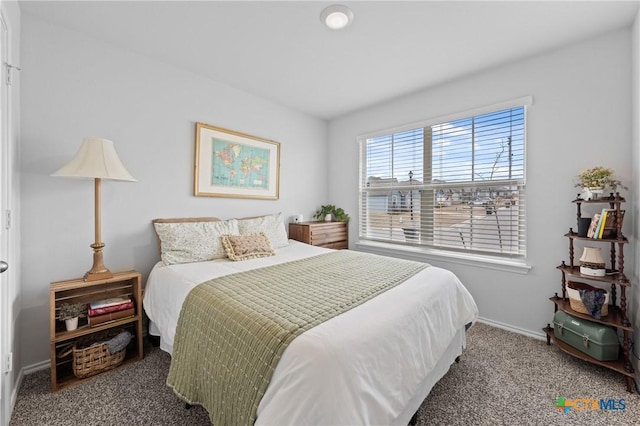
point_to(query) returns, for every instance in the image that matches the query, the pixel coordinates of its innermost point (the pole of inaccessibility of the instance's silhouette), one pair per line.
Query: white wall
(74, 86)
(580, 118)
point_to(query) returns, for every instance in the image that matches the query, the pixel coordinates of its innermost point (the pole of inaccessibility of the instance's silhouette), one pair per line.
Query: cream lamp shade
(592, 263)
(96, 159)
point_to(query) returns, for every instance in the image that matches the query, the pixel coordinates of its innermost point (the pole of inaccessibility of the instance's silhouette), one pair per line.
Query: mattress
(373, 364)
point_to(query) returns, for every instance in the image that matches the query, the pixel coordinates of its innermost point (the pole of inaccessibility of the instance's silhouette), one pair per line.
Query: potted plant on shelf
(593, 182)
(70, 312)
(330, 212)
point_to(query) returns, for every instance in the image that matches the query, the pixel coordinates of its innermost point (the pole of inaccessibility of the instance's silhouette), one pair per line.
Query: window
(452, 184)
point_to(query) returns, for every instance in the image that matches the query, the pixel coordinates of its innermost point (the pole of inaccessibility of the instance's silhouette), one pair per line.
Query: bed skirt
(453, 351)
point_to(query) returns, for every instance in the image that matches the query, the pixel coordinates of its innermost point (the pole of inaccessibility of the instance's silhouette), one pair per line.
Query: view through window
(455, 185)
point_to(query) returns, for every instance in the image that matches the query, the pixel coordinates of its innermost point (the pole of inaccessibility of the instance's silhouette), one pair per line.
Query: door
(5, 309)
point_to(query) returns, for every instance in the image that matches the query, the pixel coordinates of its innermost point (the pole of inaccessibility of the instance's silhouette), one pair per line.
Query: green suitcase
(596, 340)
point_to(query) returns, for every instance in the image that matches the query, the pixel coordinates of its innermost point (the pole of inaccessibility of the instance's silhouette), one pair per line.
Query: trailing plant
(337, 214)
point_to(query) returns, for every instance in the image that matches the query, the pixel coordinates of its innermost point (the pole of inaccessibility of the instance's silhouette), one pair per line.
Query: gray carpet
(502, 379)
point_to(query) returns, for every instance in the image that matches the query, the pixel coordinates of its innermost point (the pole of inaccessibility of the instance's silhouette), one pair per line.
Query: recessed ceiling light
(337, 16)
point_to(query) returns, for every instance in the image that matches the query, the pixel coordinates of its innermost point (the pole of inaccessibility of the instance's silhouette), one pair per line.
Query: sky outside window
(480, 148)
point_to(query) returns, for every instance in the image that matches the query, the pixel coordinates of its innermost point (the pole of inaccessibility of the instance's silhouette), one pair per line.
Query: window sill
(423, 254)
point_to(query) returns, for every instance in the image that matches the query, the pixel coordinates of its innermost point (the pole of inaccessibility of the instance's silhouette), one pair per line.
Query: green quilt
(233, 330)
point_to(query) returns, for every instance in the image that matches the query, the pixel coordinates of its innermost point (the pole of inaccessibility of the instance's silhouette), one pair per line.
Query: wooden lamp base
(98, 271)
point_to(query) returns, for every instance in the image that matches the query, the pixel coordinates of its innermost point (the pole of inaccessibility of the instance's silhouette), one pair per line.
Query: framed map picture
(235, 165)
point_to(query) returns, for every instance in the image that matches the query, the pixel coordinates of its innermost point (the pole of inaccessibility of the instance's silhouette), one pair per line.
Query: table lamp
(592, 263)
(96, 159)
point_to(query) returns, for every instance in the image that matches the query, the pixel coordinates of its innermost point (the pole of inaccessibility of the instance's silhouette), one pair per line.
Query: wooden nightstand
(333, 235)
(79, 291)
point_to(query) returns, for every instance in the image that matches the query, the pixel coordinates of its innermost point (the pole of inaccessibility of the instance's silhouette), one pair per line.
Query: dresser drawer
(333, 235)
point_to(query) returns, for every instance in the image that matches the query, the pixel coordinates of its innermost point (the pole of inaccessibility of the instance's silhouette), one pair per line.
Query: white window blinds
(454, 185)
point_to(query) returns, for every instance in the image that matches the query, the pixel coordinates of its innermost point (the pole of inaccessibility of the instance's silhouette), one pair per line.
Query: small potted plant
(330, 212)
(70, 312)
(593, 181)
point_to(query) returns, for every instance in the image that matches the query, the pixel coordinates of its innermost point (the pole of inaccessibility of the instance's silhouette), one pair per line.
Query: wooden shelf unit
(334, 235)
(79, 291)
(615, 277)
(614, 318)
(617, 365)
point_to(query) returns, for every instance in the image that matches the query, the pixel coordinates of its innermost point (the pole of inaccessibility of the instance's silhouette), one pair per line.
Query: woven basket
(90, 358)
(575, 302)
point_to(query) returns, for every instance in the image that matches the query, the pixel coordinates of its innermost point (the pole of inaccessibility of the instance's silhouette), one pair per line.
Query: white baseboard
(42, 365)
(16, 388)
(536, 335)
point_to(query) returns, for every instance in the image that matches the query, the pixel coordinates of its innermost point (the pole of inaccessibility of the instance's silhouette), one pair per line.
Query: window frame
(511, 262)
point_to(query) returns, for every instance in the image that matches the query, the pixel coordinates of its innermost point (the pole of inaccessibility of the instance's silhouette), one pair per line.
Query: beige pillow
(271, 225)
(185, 242)
(243, 247)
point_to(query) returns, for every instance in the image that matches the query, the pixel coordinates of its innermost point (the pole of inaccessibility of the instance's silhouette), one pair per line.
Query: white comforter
(361, 367)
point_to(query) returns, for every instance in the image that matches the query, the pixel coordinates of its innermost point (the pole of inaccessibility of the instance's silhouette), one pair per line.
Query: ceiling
(281, 51)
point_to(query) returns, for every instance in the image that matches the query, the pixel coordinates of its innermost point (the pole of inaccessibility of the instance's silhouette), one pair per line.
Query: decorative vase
(71, 324)
(583, 226)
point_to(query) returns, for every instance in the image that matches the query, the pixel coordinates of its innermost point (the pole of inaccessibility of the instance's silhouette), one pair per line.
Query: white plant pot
(71, 324)
(592, 193)
(327, 217)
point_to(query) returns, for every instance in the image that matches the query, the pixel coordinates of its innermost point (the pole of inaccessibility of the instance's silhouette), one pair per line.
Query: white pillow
(184, 242)
(271, 225)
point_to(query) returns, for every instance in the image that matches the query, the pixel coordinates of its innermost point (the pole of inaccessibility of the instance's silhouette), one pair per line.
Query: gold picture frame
(235, 165)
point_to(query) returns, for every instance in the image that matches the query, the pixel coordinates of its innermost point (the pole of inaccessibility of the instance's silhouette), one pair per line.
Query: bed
(373, 364)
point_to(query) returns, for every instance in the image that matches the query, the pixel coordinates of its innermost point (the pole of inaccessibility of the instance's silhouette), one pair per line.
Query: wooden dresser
(334, 235)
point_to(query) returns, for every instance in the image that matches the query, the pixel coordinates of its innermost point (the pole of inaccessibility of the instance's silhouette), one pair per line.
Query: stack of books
(604, 224)
(107, 310)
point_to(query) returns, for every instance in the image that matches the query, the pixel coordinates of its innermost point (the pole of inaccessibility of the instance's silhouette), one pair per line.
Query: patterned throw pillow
(243, 247)
(184, 242)
(272, 226)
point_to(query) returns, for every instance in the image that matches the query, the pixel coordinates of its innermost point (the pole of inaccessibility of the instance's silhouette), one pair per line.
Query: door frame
(6, 311)
(4, 396)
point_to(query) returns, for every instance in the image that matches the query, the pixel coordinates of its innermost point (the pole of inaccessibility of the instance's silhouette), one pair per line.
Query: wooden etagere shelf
(611, 277)
(79, 291)
(614, 277)
(618, 365)
(615, 317)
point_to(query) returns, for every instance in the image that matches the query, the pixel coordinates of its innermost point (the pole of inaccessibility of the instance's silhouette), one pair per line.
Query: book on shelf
(112, 308)
(111, 316)
(600, 227)
(598, 223)
(610, 228)
(594, 224)
(103, 303)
